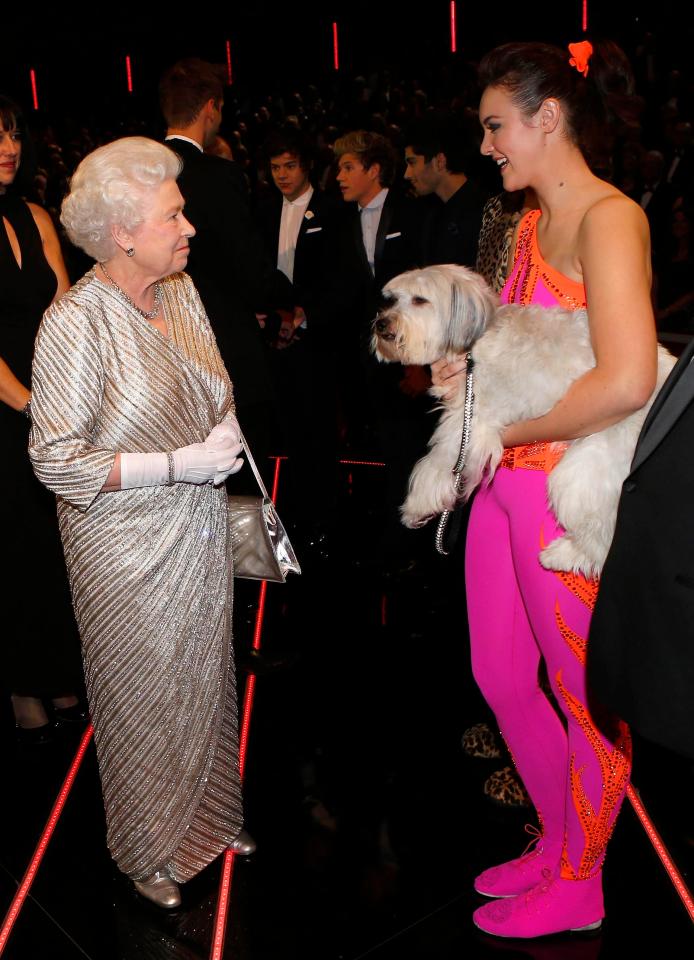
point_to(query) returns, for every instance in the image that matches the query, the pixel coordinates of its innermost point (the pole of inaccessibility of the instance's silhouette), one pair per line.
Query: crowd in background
(651, 161)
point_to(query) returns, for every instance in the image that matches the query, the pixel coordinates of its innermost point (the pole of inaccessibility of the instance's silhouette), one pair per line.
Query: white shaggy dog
(525, 358)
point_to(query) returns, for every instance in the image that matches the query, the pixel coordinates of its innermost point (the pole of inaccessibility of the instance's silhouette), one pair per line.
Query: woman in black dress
(41, 650)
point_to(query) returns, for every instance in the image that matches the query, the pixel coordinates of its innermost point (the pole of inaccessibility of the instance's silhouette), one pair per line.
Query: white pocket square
(392, 236)
(314, 230)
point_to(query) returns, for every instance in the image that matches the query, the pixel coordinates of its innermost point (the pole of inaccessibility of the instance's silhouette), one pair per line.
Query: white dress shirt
(370, 216)
(293, 212)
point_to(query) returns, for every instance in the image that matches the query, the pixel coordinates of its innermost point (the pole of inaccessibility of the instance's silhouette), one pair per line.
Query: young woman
(586, 245)
(40, 659)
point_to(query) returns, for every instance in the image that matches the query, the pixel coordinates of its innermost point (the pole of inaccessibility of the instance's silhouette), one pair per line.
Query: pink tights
(519, 612)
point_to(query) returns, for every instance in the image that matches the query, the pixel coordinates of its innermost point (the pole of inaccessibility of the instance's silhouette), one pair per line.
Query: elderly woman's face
(161, 240)
(10, 155)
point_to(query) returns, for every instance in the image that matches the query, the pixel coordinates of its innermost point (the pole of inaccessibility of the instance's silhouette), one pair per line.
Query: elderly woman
(134, 430)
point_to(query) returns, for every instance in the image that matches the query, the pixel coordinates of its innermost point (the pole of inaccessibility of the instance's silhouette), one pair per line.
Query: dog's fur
(525, 360)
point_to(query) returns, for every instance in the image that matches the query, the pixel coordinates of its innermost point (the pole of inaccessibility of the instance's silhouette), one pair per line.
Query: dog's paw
(412, 519)
(564, 556)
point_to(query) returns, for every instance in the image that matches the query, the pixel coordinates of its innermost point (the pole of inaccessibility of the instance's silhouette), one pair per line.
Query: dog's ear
(472, 306)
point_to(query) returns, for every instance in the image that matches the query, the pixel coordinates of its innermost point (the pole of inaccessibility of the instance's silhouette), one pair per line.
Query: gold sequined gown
(150, 569)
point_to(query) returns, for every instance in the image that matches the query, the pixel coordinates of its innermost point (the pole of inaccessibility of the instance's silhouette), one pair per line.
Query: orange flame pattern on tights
(615, 766)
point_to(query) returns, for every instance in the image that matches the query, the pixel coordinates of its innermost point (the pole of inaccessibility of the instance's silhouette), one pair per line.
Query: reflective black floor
(371, 820)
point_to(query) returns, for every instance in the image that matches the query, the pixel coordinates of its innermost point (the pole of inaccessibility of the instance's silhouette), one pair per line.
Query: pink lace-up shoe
(522, 874)
(553, 906)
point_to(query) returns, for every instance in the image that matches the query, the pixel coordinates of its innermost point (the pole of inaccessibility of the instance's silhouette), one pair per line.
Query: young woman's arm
(51, 248)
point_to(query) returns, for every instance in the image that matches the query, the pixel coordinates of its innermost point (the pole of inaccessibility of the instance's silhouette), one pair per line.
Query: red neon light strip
(34, 93)
(276, 478)
(258, 629)
(220, 921)
(129, 74)
(229, 74)
(35, 862)
(453, 28)
(660, 848)
(336, 52)
(585, 15)
(365, 463)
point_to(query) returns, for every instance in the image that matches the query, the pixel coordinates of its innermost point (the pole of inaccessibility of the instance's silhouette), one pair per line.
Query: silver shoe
(160, 889)
(244, 845)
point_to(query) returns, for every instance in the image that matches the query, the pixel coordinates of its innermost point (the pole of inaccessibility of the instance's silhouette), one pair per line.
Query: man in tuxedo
(379, 238)
(438, 153)
(297, 224)
(226, 261)
(641, 647)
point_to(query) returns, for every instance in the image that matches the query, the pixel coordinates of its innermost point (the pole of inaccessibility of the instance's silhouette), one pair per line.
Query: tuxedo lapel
(275, 224)
(676, 394)
(307, 221)
(383, 231)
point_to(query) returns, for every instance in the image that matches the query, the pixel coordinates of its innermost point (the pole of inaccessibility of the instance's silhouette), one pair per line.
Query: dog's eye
(419, 301)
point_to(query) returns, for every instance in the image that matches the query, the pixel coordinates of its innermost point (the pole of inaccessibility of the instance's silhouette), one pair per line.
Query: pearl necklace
(147, 314)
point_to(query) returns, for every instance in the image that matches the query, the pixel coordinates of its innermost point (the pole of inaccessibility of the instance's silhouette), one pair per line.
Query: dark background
(79, 53)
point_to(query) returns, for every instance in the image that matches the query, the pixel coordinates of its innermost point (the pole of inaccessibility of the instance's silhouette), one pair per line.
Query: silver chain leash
(458, 469)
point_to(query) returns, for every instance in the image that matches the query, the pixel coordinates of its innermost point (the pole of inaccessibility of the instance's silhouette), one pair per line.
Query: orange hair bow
(580, 55)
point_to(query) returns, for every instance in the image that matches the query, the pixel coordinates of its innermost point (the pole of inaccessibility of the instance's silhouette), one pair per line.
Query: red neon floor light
(454, 38)
(660, 848)
(44, 839)
(220, 921)
(129, 74)
(228, 860)
(336, 52)
(584, 20)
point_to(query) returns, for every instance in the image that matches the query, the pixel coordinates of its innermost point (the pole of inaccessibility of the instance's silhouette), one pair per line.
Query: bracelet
(172, 470)
(26, 409)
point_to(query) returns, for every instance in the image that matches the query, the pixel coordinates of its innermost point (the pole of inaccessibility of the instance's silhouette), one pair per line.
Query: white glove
(196, 463)
(225, 436)
(228, 431)
(199, 463)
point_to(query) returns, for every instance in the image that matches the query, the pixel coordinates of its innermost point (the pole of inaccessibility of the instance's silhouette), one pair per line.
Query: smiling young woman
(586, 246)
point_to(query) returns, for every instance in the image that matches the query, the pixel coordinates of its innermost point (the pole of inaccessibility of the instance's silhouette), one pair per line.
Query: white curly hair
(111, 186)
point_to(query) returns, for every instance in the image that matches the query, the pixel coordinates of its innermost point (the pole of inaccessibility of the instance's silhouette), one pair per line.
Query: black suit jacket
(398, 248)
(358, 295)
(641, 649)
(226, 264)
(311, 288)
(452, 230)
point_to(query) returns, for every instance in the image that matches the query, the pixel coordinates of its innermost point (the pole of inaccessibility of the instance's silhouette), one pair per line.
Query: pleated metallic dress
(150, 569)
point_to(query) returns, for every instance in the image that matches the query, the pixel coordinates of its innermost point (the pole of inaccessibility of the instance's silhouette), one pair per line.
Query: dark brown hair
(186, 87)
(595, 106)
(12, 118)
(288, 139)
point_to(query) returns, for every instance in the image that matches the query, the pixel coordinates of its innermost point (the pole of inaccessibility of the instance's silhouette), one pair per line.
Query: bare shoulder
(611, 213)
(42, 219)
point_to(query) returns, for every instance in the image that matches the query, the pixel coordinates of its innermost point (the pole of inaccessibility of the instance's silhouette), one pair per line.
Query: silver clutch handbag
(260, 545)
